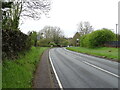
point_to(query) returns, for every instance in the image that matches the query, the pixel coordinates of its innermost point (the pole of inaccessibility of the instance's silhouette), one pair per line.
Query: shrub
(52, 43)
(43, 43)
(82, 41)
(97, 38)
(85, 40)
(14, 42)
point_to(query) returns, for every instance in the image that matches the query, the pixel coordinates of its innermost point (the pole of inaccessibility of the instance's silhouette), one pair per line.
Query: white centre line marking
(58, 80)
(101, 69)
(97, 67)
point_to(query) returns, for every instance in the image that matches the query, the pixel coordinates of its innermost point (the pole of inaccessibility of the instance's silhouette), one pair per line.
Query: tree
(84, 28)
(54, 34)
(34, 8)
(97, 38)
(6, 6)
(33, 37)
(64, 42)
(14, 10)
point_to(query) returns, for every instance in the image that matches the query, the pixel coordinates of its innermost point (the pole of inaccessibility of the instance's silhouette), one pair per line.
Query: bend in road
(74, 73)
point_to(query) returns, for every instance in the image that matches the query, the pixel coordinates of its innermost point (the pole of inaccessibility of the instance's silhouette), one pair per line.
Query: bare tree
(34, 8)
(46, 32)
(84, 28)
(22, 8)
(52, 33)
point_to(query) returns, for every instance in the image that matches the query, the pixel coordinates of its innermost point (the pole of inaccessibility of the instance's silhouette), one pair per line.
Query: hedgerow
(14, 42)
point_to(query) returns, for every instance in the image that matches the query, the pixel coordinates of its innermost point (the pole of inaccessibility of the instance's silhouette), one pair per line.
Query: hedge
(97, 38)
(14, 42)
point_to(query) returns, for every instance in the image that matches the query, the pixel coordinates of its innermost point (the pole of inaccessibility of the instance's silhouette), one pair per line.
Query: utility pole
(116, 36)
(116, 30)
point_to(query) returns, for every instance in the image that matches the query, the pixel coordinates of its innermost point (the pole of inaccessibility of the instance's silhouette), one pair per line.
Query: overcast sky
(66, 14)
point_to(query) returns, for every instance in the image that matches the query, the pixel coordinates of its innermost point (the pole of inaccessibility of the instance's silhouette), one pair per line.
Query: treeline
(97, 38)
(87, 37)
(13, 40)
(51, 36)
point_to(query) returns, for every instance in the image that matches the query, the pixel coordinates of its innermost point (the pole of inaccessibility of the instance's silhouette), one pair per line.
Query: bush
(43, 43)
(64, 43)
(52, 44)
(14, 42)
(97, 38)
(84, 41)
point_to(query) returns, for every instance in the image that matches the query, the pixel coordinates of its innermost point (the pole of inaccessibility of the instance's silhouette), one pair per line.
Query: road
(76, 70)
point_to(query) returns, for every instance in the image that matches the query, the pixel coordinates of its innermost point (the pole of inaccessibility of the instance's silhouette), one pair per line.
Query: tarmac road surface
(76, 70)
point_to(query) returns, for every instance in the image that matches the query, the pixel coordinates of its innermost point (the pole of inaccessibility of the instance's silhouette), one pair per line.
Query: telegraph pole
(116, 36)
(116, 30)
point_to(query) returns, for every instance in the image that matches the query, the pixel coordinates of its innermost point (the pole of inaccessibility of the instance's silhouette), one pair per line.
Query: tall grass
(19, 73)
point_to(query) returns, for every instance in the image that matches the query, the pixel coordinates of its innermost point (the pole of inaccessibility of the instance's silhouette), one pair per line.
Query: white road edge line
(101, 69)
(86, 55)
(98, 67)
(58, 80)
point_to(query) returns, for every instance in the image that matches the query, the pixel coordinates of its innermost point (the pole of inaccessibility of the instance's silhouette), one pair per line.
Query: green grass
(0, 75)
(110, 53)
(19, 73)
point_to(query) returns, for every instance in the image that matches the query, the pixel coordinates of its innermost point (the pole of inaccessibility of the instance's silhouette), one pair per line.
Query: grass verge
(0, 75)
(106, 52)
(19, 73)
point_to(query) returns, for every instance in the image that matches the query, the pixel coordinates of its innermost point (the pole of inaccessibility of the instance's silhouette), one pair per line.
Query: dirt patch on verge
(44, 76)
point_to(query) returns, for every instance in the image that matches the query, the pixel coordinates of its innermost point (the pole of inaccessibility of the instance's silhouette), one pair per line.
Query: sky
(66, 14)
